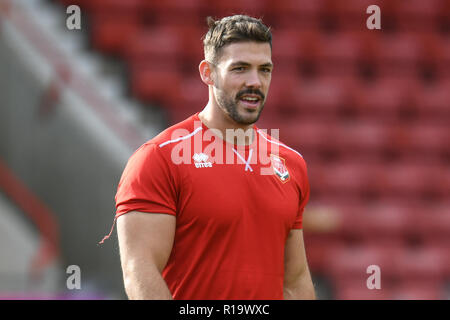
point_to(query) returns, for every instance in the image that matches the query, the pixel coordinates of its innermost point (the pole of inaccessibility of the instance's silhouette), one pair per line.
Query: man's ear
(206, 71)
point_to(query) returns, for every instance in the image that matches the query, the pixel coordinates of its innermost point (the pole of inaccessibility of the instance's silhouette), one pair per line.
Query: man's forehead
(250, 52)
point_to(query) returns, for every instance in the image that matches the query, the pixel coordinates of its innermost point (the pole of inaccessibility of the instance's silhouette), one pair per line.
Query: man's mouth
(250, 100)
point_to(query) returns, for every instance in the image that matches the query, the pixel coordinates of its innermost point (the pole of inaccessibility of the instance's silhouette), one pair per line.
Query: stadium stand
(368, 109)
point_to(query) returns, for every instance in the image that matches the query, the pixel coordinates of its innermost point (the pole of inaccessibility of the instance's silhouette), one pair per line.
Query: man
(193, 225)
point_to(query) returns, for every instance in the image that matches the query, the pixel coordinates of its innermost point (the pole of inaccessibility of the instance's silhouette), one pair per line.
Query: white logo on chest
(200, 160)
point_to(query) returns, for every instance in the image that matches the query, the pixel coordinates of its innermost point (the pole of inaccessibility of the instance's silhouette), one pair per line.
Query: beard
(230, 106)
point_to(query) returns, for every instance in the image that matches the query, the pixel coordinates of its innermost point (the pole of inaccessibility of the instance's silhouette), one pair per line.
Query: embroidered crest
(279, 168)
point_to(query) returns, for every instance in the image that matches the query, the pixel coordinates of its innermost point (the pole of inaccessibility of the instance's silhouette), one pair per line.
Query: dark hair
(232, 29)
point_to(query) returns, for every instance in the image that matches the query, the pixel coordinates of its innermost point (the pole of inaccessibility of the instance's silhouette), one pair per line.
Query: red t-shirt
(234, 208)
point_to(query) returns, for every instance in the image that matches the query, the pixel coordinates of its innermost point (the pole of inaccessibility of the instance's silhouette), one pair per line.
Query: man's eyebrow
(243, 63)
(268, 64)
(239, 63)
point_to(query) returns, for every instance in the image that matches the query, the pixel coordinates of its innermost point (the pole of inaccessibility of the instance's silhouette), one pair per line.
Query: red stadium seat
(398, 54)
(110, 33)
(318, 247)
(181, 45)
(444, 63)
(417, 15)
(440, 244)
(425, 140)
(130, 7)
(175, 12)
(295, 51)
(107, 7)
(432, 102)
(361, 143)
(382, 223)
(349, 179)
(351, 14)
(364, 137)
(192, 44)
(319, 97)
(350, 264)
(300, 14)
(255, 8)
(286, 48)
(191, 98)
(305, 135)
(414, 290)
(412, 180)
(433, 224)
(155, 84)
(155, 45)
(357, 290)
(420, 264)
(282, 90)
(431, 53)
(167, 5)
(340, 54)
(352, 223)
(388, 98)
(352, 8)
(387, 221)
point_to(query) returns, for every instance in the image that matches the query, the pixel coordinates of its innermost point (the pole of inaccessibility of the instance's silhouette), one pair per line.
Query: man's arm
(145, 241)
(297, 278)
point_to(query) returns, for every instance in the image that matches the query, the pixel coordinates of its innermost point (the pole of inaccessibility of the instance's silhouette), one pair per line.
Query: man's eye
(267, 70)
(238, 69)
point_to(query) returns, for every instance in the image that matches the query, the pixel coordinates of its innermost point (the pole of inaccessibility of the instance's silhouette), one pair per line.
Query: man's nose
(253, 80)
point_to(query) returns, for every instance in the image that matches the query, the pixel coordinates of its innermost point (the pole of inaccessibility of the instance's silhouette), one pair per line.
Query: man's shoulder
(280, 148)
(158, 150)
(177, 132)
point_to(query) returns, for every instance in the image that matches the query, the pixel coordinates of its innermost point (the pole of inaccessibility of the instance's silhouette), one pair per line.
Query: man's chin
(242, 115)
(247, 117)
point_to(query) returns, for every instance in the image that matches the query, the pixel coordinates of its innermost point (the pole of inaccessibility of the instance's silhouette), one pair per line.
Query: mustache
(250, 91)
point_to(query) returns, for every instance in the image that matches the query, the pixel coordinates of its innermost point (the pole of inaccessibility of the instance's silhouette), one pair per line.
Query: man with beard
(194, 225)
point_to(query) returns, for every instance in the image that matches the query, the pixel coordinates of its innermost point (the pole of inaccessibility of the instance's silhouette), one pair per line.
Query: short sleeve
(147, 183)
(304, 197)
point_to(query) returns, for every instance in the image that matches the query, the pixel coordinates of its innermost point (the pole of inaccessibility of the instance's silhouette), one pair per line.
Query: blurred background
(368, 109)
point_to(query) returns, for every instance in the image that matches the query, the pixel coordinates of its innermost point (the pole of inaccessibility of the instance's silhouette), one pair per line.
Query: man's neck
(214, 118)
